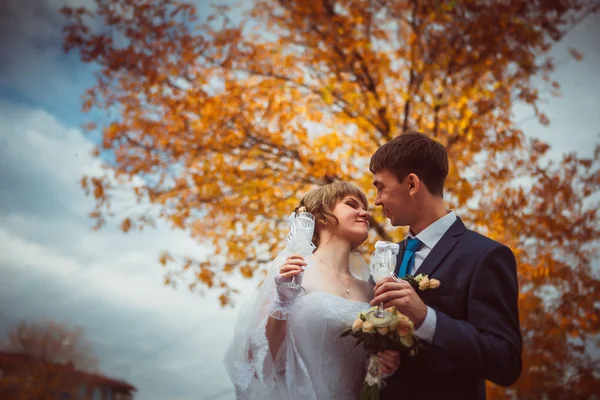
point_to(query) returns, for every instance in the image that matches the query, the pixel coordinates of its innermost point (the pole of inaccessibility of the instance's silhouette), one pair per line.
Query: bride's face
(353, 220)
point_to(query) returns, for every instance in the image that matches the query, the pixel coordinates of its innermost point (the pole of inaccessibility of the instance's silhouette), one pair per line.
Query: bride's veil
(248, 361)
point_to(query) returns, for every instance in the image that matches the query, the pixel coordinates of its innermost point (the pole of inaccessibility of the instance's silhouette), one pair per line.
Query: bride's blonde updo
(321, 201)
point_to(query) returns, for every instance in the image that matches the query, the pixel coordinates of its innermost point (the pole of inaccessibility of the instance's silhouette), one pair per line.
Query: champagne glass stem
(379, 312)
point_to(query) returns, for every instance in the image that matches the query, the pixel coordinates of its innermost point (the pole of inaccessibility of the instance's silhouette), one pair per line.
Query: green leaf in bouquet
(389, 341)
(346, 332)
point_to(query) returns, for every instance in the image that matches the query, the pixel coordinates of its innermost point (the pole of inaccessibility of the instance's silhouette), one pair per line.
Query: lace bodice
(314, 363)
(335, 366)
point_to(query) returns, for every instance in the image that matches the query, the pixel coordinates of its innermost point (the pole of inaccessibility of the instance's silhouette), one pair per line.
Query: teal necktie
(412, 246)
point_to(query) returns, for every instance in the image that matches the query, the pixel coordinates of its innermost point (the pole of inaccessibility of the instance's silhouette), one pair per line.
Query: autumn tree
(46, 345)
(223, 121)
(53, 342)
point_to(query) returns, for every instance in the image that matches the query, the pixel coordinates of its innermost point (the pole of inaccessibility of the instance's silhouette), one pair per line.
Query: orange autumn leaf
(206, 276)
(223, 300)
(246, 271)
(126, 225)
(576, 54)
(164, 258)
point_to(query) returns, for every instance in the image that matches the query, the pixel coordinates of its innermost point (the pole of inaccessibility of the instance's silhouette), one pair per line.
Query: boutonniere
(422, 282)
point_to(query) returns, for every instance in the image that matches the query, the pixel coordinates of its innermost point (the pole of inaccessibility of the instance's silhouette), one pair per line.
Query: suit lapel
(442, 248)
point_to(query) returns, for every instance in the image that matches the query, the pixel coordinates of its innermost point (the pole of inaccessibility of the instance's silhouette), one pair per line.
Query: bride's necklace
(336, 274)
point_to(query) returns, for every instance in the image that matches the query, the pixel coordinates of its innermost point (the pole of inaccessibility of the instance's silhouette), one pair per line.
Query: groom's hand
(400, 294)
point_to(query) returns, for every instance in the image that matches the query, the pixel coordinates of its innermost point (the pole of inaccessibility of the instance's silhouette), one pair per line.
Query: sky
(168, 343)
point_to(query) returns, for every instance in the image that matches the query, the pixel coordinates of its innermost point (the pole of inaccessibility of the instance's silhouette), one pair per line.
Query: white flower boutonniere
(422, 282)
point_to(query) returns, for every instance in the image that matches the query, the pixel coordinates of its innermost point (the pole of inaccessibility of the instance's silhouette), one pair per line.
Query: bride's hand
(294, 265)
(389, 361)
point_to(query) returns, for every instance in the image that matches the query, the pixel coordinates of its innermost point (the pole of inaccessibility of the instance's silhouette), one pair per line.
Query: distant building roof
(15, 359)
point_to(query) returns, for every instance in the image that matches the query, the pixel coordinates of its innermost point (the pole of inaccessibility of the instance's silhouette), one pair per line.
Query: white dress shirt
(429, 237)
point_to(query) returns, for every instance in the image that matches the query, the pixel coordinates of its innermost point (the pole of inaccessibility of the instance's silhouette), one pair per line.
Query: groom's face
(394, 197)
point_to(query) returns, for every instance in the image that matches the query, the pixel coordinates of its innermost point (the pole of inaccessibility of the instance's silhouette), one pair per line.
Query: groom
(471, 322)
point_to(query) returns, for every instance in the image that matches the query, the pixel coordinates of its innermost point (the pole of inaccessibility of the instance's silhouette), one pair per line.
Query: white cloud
(33, 65)
(574, 119)
(54, 265)
(31, 52)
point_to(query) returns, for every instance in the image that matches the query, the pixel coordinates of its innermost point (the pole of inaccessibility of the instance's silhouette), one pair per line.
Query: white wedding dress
(313, 362)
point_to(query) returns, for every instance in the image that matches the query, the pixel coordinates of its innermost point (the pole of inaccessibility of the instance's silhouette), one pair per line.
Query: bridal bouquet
(379, 330)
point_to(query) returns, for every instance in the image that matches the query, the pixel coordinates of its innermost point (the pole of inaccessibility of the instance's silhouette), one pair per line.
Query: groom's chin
(395, 223)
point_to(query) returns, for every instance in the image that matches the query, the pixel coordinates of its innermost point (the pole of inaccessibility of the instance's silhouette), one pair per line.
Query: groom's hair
(414, 152)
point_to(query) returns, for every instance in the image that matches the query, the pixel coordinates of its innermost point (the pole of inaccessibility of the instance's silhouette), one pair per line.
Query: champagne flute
(381, 266)
(300, 238)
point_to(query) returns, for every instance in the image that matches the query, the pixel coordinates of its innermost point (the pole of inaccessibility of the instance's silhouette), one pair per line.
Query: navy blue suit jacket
(477, 334)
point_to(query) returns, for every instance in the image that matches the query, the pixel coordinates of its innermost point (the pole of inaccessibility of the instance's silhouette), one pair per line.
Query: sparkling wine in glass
(300, 238)
(381, 266)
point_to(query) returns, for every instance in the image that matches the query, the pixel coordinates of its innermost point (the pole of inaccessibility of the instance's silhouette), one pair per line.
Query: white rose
(382, 330)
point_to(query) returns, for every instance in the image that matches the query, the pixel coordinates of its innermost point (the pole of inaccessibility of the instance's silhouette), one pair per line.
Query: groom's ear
(414, 183)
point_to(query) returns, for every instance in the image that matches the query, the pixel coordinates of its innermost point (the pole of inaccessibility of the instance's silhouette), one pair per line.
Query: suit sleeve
(488, 344)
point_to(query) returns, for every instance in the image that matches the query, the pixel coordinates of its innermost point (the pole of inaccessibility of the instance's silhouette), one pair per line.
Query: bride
(289, 347)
